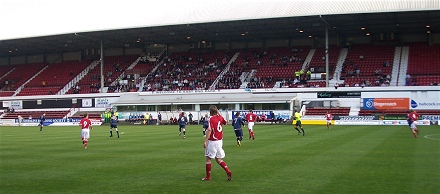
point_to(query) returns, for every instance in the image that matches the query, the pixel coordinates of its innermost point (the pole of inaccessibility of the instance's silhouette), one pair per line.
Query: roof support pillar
(102, 67)
(326, 57)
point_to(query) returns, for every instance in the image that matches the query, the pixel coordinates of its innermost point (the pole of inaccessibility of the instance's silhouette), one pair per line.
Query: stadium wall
(35, 59)
(72, 56)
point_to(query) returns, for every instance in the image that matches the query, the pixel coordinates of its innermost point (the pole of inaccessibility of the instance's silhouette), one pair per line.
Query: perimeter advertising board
(385, 103)
(425, 103)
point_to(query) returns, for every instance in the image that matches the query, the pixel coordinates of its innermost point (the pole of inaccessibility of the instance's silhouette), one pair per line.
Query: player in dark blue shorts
(409, 119)
(42, 119)
(237, 123)
(182, 124)
(113, 125)
(205, 121)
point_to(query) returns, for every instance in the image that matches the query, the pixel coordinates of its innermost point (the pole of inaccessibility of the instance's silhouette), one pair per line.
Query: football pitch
(155, 159)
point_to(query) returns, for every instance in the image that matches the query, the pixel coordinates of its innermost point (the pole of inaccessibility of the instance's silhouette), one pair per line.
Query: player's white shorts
(214, 149)
(251, 125)
(329, 122)
(85, 133)
(414, 125)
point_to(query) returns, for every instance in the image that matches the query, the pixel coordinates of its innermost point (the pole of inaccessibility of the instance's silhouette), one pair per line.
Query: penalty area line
(433, 138)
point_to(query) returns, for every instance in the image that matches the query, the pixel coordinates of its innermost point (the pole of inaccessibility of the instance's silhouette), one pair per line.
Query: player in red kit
(250, 118)
(214, 143)
(328, 117)
(86, 125)
(414, 116)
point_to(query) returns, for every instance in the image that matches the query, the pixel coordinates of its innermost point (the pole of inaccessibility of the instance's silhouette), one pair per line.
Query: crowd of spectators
(184, 73)
(231, 79)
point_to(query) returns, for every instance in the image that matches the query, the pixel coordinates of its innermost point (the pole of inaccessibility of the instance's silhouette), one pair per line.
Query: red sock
(85, 143)
(252, 133)
(208, 170)
(415, 136)
(224, 166)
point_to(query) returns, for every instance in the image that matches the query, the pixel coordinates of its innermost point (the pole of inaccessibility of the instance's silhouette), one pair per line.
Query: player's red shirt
(414, 116)
(85, 123)
(215, 124)
(251, 117)
(328, 116)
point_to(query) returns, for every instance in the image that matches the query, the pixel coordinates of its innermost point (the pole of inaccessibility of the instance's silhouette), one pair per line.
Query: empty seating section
(427, 80)
(396, 112)
(36, 114)
(3, 70)
(187, 71)
(424, 63)
(52, 79)
(34, 91)
(318, 60)
(6, 93)
(142, 68)
(113, 67)
(271, 65)
(4, 83)
(371, 60)
(21, 74)
(322, 111)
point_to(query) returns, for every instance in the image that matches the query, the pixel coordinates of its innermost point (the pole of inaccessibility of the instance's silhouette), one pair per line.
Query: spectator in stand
(361, 57)
(378, 72)
(309, 74)
(358, 72)
(407, 82)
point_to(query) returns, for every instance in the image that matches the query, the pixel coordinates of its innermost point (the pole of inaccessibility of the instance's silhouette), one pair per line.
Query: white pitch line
(429, 137)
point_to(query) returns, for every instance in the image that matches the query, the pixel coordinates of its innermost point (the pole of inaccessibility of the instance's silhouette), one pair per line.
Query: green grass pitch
(155, 159)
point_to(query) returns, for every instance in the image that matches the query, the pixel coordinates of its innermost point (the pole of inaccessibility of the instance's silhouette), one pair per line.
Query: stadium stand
(272, 65)
(3, 93)
(52, 79)
(424, 64)
(113, 68)
(374, 64)
(188, 70)
(20, 75)
(317, 64)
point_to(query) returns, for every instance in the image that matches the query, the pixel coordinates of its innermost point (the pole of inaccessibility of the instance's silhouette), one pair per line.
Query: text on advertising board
(385, 103)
